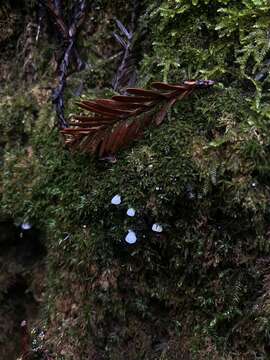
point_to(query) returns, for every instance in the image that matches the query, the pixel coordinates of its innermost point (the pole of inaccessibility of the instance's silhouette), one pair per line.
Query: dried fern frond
(118, 121)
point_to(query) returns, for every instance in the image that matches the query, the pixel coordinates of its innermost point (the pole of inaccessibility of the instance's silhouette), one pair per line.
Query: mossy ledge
(199, 289)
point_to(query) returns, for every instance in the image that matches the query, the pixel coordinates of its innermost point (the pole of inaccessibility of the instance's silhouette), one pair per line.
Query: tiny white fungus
(116, 200)
(131, 212)
(191, 195)
(157, 228)
(26, 226)
(131, 237)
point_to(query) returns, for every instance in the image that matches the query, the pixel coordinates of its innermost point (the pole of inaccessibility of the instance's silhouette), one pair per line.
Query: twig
(68, 34)
(126, 74)
(25, 340)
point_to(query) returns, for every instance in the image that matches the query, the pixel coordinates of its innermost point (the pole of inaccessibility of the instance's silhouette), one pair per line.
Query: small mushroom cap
(131, 212)
(26, 226)
(116, 200)
(157, 228)
(131, 237)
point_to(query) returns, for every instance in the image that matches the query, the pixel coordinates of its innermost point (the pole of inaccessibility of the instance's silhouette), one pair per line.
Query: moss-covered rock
(199, 288)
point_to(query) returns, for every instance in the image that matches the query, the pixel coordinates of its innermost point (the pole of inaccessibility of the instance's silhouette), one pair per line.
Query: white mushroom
(116, 200)
(131, 212)
(131, 237)
(26, 226)
(157, 228)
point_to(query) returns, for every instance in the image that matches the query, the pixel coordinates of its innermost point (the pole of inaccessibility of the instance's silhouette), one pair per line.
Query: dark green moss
(200, 286)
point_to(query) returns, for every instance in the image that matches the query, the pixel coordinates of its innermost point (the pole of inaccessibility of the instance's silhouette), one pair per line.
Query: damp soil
(22, 256)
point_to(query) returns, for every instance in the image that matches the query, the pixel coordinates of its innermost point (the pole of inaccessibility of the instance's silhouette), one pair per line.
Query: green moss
(225, 40)
(17, 118)
(203, 175)
(182, 176)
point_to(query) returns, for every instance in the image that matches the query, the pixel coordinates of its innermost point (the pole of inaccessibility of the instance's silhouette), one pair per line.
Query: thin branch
(25, 341)
(68, 34)
(126, 74)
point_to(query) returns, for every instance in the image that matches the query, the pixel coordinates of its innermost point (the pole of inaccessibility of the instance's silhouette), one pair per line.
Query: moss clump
(193, 176)
(17, 119)
(199, 287)
(222, 39)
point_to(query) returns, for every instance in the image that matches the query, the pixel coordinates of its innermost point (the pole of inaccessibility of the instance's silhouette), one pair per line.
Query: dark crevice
(22, 254)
